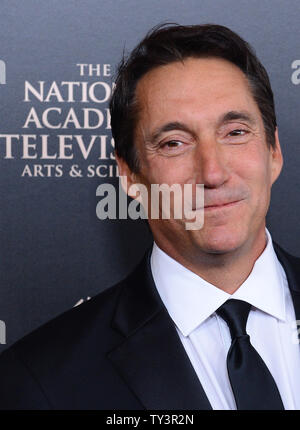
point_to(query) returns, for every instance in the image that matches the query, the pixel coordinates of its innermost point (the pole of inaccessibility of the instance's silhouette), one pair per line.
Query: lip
(221, 205)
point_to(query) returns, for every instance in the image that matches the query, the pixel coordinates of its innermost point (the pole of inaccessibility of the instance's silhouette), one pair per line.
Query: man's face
(199, 124)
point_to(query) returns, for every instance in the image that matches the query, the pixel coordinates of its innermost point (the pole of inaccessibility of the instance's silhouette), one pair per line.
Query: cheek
(255, 170)
(172, 170)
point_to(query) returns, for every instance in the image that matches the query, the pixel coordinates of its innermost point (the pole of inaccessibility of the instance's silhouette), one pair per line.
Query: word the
(94, 69)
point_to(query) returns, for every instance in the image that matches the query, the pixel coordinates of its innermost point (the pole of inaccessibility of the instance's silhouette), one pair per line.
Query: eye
(172, 144)
(173, 147)
(238, 132)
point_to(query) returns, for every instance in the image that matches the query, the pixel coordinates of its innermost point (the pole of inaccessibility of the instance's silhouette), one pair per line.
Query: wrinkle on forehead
(183, 81)
(171, 93)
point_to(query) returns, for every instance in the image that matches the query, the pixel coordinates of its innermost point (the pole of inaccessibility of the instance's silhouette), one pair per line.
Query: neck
(226, 271)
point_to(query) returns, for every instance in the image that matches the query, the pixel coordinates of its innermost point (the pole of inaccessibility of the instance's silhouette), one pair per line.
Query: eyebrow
(237, 115)
(228, 116)
(170, 126)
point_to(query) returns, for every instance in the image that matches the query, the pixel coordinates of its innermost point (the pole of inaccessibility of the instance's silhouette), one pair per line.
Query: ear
(127, 177)
(277, 159)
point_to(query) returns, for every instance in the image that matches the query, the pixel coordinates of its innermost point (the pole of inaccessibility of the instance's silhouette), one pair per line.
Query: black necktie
(252, 384)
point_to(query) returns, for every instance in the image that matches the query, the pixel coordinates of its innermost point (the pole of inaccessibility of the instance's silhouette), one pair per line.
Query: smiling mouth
(221, 205)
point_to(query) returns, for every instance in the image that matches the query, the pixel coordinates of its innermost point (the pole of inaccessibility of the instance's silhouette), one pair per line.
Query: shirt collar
(190, 299)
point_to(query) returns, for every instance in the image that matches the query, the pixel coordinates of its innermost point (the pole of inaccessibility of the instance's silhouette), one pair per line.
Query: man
(192, 105)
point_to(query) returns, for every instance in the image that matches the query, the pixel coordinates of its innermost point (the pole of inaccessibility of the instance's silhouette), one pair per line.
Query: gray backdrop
(53, 249)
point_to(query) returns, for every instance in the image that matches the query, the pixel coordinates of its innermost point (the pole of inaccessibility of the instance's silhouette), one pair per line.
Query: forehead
(197, 86)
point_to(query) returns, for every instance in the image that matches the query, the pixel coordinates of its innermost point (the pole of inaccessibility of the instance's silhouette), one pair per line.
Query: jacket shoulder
(45, 369)
(73, 322)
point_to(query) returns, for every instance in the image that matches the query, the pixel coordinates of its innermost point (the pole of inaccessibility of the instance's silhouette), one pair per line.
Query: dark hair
(169, 43)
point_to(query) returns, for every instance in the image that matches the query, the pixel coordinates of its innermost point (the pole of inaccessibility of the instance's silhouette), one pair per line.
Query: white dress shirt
(191, 302)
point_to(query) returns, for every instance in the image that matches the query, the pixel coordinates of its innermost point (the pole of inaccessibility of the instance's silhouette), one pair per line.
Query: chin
(221, 242)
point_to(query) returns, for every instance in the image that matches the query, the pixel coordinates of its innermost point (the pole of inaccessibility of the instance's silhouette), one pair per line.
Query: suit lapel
(152, 359)
(291, 267)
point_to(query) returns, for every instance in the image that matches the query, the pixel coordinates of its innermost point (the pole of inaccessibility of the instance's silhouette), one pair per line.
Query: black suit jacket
(119, 350)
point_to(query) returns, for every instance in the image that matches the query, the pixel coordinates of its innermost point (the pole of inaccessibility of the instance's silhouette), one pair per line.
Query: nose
(211, 164)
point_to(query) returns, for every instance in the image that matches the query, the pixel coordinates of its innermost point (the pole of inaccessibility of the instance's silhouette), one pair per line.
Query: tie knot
(235, 314)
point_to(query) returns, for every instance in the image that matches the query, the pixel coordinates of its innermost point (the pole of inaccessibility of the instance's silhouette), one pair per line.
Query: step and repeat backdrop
(57, 65)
